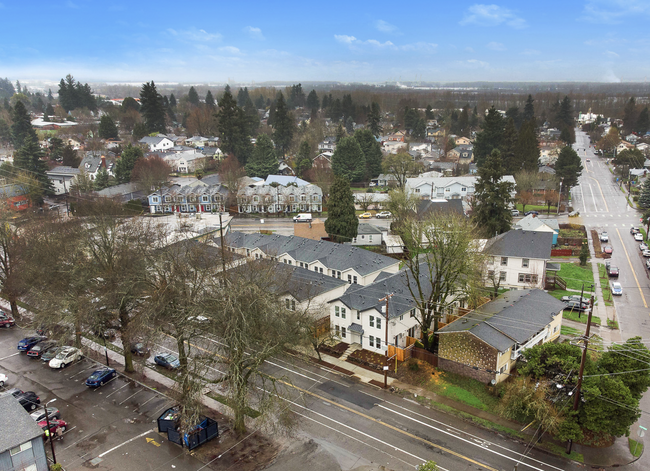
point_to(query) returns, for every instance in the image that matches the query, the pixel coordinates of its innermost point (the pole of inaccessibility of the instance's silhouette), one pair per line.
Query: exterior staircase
(353, 347)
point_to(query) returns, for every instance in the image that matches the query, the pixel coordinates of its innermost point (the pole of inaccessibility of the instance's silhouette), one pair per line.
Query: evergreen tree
(303, 160)
(312, 100)
(349, 126)
(492, 197)
(129, 103)
(374, 119)
(296, 97)
(172, 101)
(30, 158)
(49, 110)
(283, 124)
(126, 162)
(233, 127)
(513, 113)
(152, 108)
(107, 128)
(564, 120)
(49, 94)
(411, 117)
(490, 137)
(428, 113)
(209, 99)
(260, 102)
(463, 122)
(643, 121)
(420, 129)
(252, 117)
(348, 160)
(528, 147)
(21, 129)
(327, 99)
(102, 179)
(341, 223)
(193, 97)
(73, 95)
(56, 148)
(264, 161)
(242, 97)
(630, 116)
(371, 152)
(7, 89)
(139, 131)
(5, 131)
(529, 110)
(568, 168)
(69, 156)
(511, 163)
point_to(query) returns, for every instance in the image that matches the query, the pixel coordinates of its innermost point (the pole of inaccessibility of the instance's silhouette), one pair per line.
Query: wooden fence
(424, 355)
(561, 252)
(321, 326)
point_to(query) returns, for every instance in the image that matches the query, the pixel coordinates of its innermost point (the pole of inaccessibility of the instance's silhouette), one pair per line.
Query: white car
(3, 380)
(65, 357)
(638, 236)
(383, 214)
(643, 246)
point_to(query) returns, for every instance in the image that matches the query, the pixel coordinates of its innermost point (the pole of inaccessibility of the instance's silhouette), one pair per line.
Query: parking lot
(112, 427)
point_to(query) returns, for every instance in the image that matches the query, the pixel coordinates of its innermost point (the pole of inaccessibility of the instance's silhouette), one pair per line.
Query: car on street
(100, 377)
(167, 360)
(365, 215)
(28, 342)
(140, 349)
(3, 380)
(54, 425)
(588, 160)
(604, 237)
(574, 214)
(302, 217)
(608, 263)
(638, 236)
(535, 213)
(6, 320)
(29, 400)
(617, 289)
(646, 253)
(51, 353)
(514, 212)
(634, 230)
(576, 306)
(41, 347)
(608, 249)
(613, 271)
(643, 246)
(65, 357)
(39, 414)
(384, 215)
(647, 264)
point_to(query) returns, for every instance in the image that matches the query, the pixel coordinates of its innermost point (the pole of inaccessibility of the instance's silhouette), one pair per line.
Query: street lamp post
(49, 433)
(559, 196)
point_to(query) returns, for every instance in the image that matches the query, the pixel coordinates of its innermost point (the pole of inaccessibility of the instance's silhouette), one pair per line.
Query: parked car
(54, 426)
(643, 246)
(41, 347)
(6, 320)
(302, 217)
(588, 160)
(646, 253)
(638, 236)
(604, 237)
(576, 306)
(29, 400)
(617, 289)
(51, 353)
(365, 215)
(536, 213)
(100, 377)
(140, 349)
(574, 297)
(167, 360)
(647, 264)
(634, 230)
(608, 249)
(65, 357)
(28, 342)
(514, 212)
(613, 271)
(608, 263)
(3, 380)
(39, 414)
(384, 215)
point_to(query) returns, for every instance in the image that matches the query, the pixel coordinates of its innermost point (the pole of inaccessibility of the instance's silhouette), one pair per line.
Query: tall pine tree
(312, 100)
(341, 223)
(209, 99)
(371, 152)
(492, 197)
(568, 168)
(511, 161)
(152, 108)
(348, 160)
(107, 128)
(193, 97)
(21, 129)
(529, 109)
(30, 158)
(490, 137)
(233, 128)
(264, 161)
(528, 147)
(644, 198)
(374, 119)
(283, 125)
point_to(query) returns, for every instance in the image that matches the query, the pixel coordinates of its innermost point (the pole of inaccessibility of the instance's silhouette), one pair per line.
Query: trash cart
(205, 430)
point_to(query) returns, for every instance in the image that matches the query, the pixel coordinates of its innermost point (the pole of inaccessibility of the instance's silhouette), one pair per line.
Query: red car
(6, 320)
(608, 249)
(54, 425)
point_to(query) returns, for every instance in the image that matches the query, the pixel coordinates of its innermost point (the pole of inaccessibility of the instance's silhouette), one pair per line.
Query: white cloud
(611, 54)
(354, 43)
(255, 33)
(385, 27)
(195, 35)
(613, 11)
(530, 52)
(495, 46)
(230, 49)
(420, 47)
(492, 15)
(474, 64)
(345, 39)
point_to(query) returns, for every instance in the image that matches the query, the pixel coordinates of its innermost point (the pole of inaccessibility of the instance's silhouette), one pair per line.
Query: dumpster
(206, 429)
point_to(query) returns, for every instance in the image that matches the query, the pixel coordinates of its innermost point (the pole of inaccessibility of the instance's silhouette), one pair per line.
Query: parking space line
(152, 397)
(130, 397)
(126, 442)
(117, 390)
(82, 371)
(9, 356)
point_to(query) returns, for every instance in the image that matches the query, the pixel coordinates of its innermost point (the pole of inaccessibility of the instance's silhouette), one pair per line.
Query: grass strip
(636, 448)
(566, 330)
(575, 276)
(573, 316)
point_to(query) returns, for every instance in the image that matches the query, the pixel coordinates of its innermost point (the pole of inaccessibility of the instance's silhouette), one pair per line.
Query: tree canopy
(73, 95)
(152, 108)
(490, 137)
(283, 124)
(126, 163)
(233, 128)
(107, 128)
(568, 168)
(492, 198)
(264, 161)
(348, 160)
(21, 129)
(341, 223)
(371, 152)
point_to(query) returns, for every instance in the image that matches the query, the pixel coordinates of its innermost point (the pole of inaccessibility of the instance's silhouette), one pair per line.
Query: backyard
(575, 276)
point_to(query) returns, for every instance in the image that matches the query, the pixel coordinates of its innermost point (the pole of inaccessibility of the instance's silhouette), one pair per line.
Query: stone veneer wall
(460, 352)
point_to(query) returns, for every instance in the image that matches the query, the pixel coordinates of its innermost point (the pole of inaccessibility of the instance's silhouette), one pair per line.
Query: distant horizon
(594, 41)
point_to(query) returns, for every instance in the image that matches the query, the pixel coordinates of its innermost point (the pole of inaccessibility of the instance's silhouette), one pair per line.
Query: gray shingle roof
(304, 284)
(365, 228)
(333, 256)
(16, 426)
(427, 207)
(525, 244)
(512, 318)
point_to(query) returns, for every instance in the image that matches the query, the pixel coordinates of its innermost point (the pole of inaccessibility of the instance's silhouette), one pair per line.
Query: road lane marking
(126, 442)
(389, 426)
(645, 304)
(601, 193)
(152, 441)
(593, 198)
(582, 193)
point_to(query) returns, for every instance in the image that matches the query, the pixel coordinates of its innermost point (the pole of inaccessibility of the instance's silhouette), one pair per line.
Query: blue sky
(215, 41)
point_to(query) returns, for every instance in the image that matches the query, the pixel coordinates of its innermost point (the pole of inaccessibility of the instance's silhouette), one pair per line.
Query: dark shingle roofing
(333, 256)
(365, 228)
(513, 317)
(525, 244)
(427, 207)
(16, 426)
(304, 284)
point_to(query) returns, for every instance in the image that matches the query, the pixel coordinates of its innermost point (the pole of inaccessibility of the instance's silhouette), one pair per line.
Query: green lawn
(604, 283)
(575, 275)
(636, 448)
(566, 330)
(573, 316)
(463, 389)
(535, 207)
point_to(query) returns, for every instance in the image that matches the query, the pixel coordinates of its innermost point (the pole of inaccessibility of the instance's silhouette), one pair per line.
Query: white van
(302, 217)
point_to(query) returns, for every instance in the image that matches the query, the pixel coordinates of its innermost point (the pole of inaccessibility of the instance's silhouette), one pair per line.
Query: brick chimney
(103, 164)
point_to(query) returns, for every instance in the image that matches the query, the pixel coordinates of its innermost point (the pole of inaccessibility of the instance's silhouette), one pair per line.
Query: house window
(154, 199)
(336, 330)
(336, 311)
(502, 276)
(525, 262)
(354, 280)
(412, 312)
(370, 238)
(503, 369)
(417, 190)
(401, 318)
(343, 332)
(527, 278)
(377, 342)
(554, 329)
(379, 322)
(205, 198)
(504, 261)
(342, 313)
(371, 340)
(19, 449)
(372, 321)
(358, 315)
(291, 304)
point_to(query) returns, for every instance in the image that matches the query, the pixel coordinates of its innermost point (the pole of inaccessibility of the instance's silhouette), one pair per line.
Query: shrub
(413, 366)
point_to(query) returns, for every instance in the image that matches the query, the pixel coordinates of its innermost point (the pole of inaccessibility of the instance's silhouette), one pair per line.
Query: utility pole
(49, 431)
(223, 248)
(576, 399)
(386, 298)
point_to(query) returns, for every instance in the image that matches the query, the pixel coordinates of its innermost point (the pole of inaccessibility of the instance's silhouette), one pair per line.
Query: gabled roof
(16, 426)
(304, 284)
(512, 318)
(426, 207)
(524, 244)
(533, 223)
(63, 170)
(365, 228)
(285, 180)
(333, 256)
(153, 140)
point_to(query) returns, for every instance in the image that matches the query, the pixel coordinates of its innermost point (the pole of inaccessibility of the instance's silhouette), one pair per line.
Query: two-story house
(93, 162)
(266, 198)
(463, 154)
(189, 199)
(345, 262)
(21, 439)
(157, 143)
(185, 162)
(327, 145)
(485, 343)
(447, 187)
(62, 177)
(534, 223)
(519, 258)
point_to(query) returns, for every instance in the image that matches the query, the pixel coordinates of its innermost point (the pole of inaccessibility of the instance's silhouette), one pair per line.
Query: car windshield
(62, 355)
(96, 375)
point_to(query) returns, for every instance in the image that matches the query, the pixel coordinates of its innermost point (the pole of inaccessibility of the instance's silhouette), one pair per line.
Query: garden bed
(334, 350)
(371, 361)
